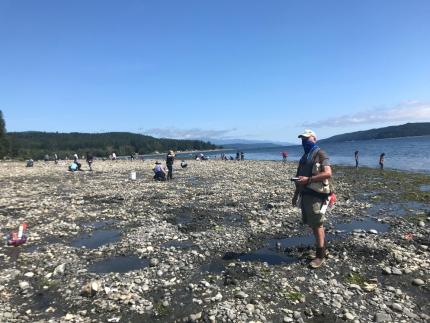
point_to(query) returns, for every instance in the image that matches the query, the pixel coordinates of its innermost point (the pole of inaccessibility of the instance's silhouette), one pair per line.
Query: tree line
(35, 144)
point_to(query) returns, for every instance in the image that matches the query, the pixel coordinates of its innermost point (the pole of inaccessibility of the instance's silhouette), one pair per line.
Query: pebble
(397, 307)
(241, 295)
(418, 282)
(396, 271)
(387, 271)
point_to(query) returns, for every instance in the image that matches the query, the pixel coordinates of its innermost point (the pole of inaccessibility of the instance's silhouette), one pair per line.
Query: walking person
(284, 156)
(90, 159)
(356, 158)
(170, 158)
(313, 172)
(381, 161)
(55, 159)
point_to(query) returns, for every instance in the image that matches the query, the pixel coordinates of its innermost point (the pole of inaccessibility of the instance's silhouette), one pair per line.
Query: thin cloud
(194, 133)
(404, 112)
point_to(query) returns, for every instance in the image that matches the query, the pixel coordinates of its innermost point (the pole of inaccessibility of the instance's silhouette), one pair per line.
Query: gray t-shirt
(307, 162)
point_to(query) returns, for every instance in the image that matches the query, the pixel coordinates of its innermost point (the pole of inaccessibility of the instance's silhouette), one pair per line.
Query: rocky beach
(219, 243)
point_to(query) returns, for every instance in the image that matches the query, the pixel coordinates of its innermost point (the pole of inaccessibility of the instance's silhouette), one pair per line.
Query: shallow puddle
(364, 224)
(425, 188)
(96, 239)
(216, 266)
(119, 264)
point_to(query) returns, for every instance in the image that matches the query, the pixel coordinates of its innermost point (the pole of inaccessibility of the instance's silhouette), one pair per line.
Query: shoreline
(188, 242)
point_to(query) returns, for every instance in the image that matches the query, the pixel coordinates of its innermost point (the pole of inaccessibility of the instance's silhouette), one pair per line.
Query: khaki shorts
(311, 206)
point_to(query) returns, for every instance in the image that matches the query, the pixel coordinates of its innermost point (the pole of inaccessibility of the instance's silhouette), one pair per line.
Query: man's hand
(303, 180)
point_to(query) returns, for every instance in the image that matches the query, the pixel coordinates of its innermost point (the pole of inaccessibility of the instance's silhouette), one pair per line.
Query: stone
(59, 270)
(24, 285)
(373, 231)
(250, 308)
(421, 224)
(397, 307)
(90, 289)
(349, 316)
(418, 282)
(396, 271)
(382, 317)
(29, 274)
(288, 319)
(153, 262)
(386, 271)
(241, 295)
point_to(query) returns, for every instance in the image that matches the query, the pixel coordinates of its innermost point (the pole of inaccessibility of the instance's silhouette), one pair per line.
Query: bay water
(407, 153)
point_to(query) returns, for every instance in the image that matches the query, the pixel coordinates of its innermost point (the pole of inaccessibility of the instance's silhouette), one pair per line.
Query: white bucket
(133, 176)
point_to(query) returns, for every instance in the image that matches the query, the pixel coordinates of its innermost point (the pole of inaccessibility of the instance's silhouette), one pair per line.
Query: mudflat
(219, 243)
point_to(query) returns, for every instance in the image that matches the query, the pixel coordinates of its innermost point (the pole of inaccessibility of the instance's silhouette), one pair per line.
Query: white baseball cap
(307, 133)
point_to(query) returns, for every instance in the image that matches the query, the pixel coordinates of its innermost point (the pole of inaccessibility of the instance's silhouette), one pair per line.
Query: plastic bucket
(133, 176)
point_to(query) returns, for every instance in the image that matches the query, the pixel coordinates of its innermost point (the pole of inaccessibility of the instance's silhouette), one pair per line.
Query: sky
(249, 69)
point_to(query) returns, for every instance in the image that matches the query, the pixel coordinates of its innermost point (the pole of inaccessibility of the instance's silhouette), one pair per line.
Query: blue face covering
(308, 145)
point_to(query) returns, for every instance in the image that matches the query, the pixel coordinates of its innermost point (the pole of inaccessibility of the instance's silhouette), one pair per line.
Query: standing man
(356, 158)
(90, 159)
(381, 161)
(170, 158)
(314, 168)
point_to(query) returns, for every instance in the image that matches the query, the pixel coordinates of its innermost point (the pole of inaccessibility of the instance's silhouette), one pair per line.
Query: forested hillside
(406, 130)
(35, 145)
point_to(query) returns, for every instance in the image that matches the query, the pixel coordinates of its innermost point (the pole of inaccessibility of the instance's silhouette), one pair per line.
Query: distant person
(314, 168)
(284, 156)
(30, 163)
(381, 161)
(237, 155)
(46, 158)
(170, 159)
(90, 159)
(55, 159)
(242, 155)
(184, 164)
(356, 158)
(75, 166)
(113, 156)
(131, 157)
(159, 172)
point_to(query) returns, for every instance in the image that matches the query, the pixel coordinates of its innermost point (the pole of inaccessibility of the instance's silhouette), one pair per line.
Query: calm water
(410, 153)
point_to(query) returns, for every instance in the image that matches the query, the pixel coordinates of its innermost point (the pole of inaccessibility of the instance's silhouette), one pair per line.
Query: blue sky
(219, 69)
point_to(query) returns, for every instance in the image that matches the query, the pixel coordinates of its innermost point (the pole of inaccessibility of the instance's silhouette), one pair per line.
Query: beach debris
(17, 238)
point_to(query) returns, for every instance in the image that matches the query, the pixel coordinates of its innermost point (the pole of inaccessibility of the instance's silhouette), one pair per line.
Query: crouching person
(159, 172)
(313, 188)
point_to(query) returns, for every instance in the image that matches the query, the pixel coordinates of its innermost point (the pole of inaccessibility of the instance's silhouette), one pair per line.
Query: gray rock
(387, 271)
(382, 317)
(396, 271)
(250, 308)
(241, 295)
(59, 270)
(349, 316)
(418, 282)
(154, 262)
(24, 285)
(397, 307)
(373, 231)
(421, 224)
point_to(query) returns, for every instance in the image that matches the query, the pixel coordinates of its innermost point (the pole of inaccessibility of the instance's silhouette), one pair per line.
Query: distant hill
(406, 130)
(250, 146)
(34, 144)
